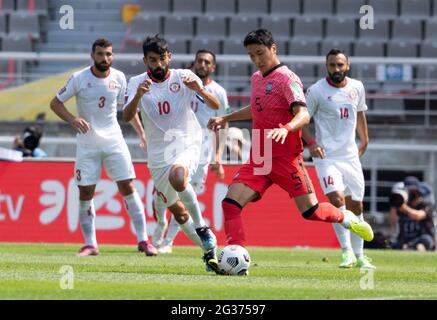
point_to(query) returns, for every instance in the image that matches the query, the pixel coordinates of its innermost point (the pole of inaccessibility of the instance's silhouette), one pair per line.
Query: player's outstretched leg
(159, 211)
(87, 215)
(172, 231)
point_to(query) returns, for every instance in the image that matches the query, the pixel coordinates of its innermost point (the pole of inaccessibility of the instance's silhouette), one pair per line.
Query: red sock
(325, 212)
(233, 222)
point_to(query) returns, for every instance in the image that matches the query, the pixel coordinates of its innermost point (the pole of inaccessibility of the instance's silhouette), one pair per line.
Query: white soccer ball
(234, 260)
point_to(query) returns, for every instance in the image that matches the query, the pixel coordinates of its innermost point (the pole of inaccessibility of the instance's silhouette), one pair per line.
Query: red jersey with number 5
(270, 102)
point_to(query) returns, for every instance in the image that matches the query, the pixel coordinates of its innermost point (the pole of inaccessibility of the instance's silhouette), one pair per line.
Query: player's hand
(143, 142)
(191, 83)
(317, 151)
(362, 149)
(144, 87)
(219, 170)
(278, 134)
(216, 123)
(81, 125)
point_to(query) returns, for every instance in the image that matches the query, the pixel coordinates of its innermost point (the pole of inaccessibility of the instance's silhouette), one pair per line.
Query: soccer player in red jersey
(278, 110)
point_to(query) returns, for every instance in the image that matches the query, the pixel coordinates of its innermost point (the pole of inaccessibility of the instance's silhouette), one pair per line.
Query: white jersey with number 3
(335, 115)
(97, 100)
(169, 123)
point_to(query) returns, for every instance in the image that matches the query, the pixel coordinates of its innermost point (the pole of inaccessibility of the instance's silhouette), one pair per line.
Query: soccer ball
(234, 260)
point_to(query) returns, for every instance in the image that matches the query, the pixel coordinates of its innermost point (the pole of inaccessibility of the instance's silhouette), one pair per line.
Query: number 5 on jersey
(164, 107)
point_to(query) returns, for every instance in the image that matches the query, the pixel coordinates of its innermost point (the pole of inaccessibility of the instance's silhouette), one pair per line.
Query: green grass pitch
(32, 271)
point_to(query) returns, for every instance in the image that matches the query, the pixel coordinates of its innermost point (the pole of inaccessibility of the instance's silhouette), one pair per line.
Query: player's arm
(413, 214)
(136, 124)
(315, 149)
(195, 84)
(61, 111)
(362, 132)
(130, 110)
(301, 118)
(218, 123)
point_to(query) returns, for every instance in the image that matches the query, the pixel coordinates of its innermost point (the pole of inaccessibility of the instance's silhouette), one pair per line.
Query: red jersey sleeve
(293, 91)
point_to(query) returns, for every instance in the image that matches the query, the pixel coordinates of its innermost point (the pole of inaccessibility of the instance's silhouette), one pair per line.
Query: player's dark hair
(206, 51)
(155, 44)
(259, 36)
(336, 52)
(102, 42)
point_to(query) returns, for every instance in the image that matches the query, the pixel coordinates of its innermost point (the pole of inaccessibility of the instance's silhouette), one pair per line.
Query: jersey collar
(332, 84)
(156, 80)
(272, 69)
(95, 75)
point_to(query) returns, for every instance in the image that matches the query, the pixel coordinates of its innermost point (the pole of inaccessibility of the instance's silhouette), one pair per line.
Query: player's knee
(179, 212)
(126, 187)
(86, 194)
(231, 208)
(177, 179)
(308, 213)
(337, 202)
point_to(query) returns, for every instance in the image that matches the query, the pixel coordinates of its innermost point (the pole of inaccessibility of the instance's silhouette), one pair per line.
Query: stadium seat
(363, 72)
(211, 27)
(204, 43)
(16, 43)
(130, 68)
(279, 26)
(388, 105)
(431, 29)
(155, 7)
(289, 8)
(339, 28)
(428, 49)
(434, 5)
(234, 46)
(23, 23)
(318, 8)
(415, 8)
(187, 7)
(303, 47)
(349, 8)
(307, 28)
(367, 48)
(407, 29)
(134, 46)
(144, 25)
(178, 26)
(220, 8)
(379, 33)
(282, 47)
(238, 69)
(177, 45)
(39, 7)
(328, 44)
(427, 72)
(306, 73)
(401, 49)
(239, 26)
(385, 8)
(396, 86)
(253, 7)
(7, 6)
(2, 25)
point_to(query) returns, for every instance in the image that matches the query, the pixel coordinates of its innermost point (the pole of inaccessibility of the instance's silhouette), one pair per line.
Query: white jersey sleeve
(311, 100)
(362, 106)
(224, 103)
(132, 87)
(69, 90)
(122, 94)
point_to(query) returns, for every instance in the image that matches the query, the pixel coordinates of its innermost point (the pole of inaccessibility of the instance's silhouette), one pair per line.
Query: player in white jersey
(204, 64)
(337, 104)
(99, 89)
(174, 137)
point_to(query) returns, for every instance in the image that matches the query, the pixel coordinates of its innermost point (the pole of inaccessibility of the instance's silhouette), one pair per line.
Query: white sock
(349, 216)
(357, 242)
(190, 231)
(135, 208)
(189, 199)
(87, 218)
(172, 231)
(343, 234)
(160, 210)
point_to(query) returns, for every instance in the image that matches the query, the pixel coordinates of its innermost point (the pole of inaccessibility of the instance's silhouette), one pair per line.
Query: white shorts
(116, 160)
(200, 175)
(341, 175)
(189, 159)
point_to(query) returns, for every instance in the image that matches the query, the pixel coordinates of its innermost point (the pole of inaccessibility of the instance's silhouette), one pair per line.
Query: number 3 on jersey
(164, 107)
(102, 102)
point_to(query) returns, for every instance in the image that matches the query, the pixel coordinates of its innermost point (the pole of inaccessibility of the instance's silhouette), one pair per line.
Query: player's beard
(159, 73)
(102, 67)
(337, 77)
(201, 73)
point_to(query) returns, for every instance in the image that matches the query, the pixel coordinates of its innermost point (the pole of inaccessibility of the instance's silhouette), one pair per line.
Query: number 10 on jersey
(164, 107)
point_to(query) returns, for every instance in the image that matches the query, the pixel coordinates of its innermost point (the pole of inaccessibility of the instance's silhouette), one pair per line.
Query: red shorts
(289, 174)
